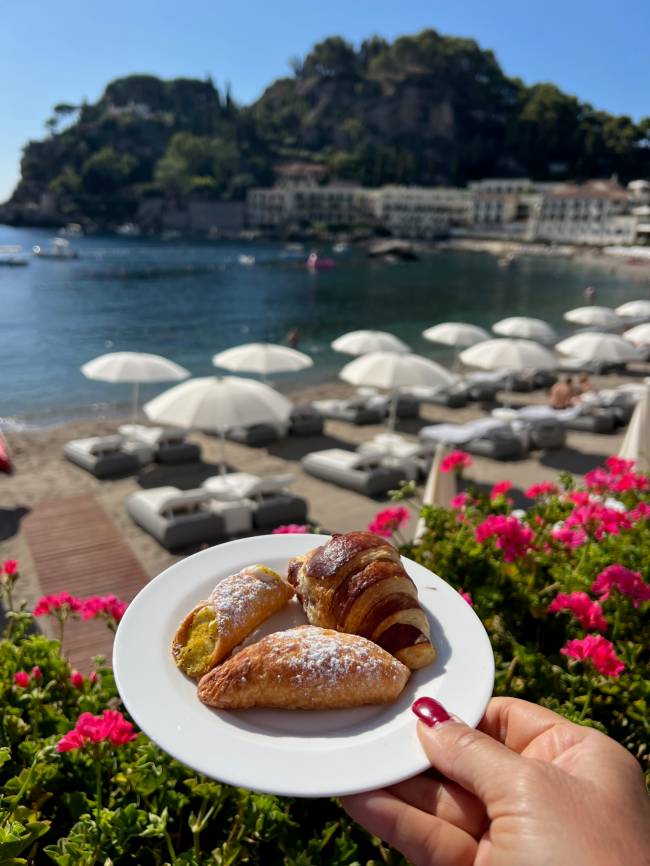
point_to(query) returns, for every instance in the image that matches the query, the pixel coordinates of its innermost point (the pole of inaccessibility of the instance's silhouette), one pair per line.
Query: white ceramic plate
(291, 752)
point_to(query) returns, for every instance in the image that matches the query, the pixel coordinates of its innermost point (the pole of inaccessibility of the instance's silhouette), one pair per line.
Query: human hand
(528, 788)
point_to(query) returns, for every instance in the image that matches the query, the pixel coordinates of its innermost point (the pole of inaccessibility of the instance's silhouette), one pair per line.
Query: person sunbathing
(561, 396)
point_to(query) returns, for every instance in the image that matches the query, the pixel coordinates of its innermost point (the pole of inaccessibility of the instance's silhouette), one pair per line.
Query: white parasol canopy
(594, 346)
(636, 445)
(635, 309)
(440, 488)
(262, 358)
(392, 371)
(639, 335)
(599, 317)
(215, 405)
(458, 334)
(508, 354)
(525, 328)
(362, 342)
(133, 367)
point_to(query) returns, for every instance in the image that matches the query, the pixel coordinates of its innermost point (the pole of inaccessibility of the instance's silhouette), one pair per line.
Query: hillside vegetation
(426, 109)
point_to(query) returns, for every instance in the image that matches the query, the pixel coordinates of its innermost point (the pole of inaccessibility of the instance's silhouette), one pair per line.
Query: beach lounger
(177, 518)
(487, 437)
(169, 444)
(354, 411)
(407, 406)
(255, 435)
(595, 368)
(364, 473)
(305, 420)
(104, 456)
(482, 387)
(271, 503)
(411, 457)
(581, 417)
(452, 397)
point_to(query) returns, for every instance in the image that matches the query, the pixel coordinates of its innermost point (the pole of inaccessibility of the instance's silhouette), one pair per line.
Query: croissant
(305, 668)
(356, 583)
(236, 606)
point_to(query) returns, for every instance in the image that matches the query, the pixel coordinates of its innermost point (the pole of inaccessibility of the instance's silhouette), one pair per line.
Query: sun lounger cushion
(240, 485)
(101, 456)
(177, 529)
(169, 500)
(168, 443)
(278, 509)
(256, 435)
(305, 421)
(452, 398)
(487, 437)
(359, 472)
(352, 411)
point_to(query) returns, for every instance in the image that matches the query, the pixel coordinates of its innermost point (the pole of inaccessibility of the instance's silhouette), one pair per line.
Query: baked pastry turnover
(237, 605)
(356, 583)
(305, 668)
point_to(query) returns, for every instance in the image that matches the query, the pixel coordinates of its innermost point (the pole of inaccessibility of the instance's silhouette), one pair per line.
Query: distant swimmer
(590, 294)
(293, 338)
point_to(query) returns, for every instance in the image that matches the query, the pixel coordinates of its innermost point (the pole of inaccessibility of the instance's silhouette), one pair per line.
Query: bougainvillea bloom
(467, 596)
(544, 488)
(103, 605)
(511, 536)
(595, 649)
(77, 679)
(55, 603)
(627, 582)
(110, 727)
(455, 462)
(21, 678)
(500, 489)
(390, 519)
(290, 528)
(37, 673)
(10, 567)
(588, 613)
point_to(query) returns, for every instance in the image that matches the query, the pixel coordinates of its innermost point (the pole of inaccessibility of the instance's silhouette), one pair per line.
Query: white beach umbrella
(440, 488)
(594, 346)
(262, 358)
(362, 342)
(391, 371)
(458, 334)
(525, 328)
(508, 354)
(598, 317)
(134, 367)
(635, 309)
(216, 404)
(639, 335)
(636, 445)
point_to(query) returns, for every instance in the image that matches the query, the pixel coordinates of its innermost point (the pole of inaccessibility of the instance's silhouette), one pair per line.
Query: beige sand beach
(43, 474)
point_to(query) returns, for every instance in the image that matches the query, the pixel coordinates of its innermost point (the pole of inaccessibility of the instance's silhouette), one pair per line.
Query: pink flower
(63, 602)
(544, 488)
(588, 613)
(627, 582)
(596, 649)
(598, 520)
(467, 596)
(290, 528)
(37, 674)
(618, 466)
(641, 511)
(572, 538)
(111, 726)
(109, 606)
(500, 489)
(77, 679)
(579, 497)
(386, 522)
(21, 679)
(10, 567)
(460, 500)
(456, 461)
(92, 678)
(511, 536)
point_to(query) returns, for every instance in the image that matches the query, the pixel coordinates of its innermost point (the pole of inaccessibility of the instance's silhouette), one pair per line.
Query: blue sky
(70, 50)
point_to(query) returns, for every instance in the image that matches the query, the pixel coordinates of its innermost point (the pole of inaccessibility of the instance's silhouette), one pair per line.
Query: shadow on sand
(10, 521)
(296, 447)
(570, 460)
(185, 476)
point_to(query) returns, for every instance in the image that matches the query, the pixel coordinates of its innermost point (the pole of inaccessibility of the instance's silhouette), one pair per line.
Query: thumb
(475, 761)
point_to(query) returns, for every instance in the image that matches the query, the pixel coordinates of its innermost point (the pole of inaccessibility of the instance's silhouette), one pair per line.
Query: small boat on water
(12, 257)
(246, 261)
(58, 248)
(315, 262)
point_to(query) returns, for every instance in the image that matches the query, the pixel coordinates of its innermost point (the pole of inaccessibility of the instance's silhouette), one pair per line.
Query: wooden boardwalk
(77, 549)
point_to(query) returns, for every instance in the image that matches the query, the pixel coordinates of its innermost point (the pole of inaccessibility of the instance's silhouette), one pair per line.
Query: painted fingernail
(430, 712)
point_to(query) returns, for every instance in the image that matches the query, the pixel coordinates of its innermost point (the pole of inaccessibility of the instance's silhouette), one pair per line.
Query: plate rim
(419, 760)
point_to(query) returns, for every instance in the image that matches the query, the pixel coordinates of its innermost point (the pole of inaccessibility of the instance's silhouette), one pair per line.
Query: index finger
(516, 723)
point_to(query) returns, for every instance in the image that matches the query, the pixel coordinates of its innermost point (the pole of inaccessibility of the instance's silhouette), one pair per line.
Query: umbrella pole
(134, 403)
(392, 415)
(222, 458)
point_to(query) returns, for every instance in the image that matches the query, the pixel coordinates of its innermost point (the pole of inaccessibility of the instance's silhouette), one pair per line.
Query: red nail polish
(430, 712)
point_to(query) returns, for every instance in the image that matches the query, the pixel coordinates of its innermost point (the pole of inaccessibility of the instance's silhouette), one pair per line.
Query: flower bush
(562, 590)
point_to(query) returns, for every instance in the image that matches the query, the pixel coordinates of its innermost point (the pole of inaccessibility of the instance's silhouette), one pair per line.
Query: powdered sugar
(235, 598)
(312, 655)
